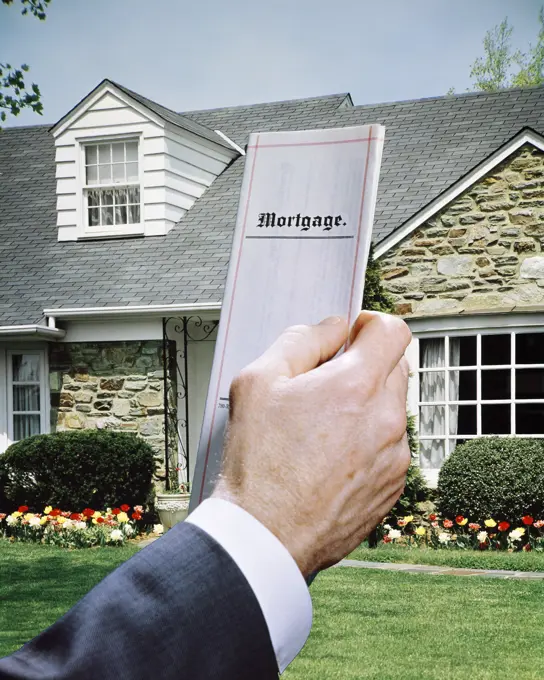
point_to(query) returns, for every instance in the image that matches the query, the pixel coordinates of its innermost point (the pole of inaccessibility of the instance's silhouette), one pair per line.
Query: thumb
(301, 348)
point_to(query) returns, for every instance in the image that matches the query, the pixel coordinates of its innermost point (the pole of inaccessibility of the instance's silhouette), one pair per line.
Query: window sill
(120, 232)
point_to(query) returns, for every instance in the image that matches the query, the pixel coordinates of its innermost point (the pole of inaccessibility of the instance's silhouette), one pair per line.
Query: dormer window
(111, 186)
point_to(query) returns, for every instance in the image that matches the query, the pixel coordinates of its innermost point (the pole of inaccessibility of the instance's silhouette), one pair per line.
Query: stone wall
(483, 253)
(116, 386)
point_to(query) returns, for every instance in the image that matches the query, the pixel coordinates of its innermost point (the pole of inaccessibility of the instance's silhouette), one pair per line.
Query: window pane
(107, 197)
(529, 418)
(431, 386)
(463, 351)
(463, 419)
(94, 217)
(132, 172)
(432, 420)
(496, 419)
(120, 196)
(25, 367)
(462, 386)
(92, 174)
(106, 216)
(496, 385)
(134, 214)
(104, 174)
(431, 353)
(495, 350)
(134, 195)
(26, 398)
(104, 153)
(118, 152)
(132, 151)
(530, 348)
(118, 173)
(25, 426)
(93, 198)
(91, 155)
(530, 383)
(431, 453)
(120, 214)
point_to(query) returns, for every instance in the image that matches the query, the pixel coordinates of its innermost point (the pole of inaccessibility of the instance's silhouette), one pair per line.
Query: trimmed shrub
(75, 470)
(496, 478)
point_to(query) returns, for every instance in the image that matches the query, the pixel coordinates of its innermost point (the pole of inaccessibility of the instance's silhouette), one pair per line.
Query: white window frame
(473, 325)
(44, 393)
(112, 231)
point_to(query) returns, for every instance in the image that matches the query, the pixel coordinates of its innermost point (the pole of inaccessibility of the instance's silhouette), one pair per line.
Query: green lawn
(470, 559)
(395, 626)
(39, 583)
(367, 624)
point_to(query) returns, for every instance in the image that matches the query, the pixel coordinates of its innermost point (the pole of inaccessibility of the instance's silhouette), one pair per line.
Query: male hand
(316, 447)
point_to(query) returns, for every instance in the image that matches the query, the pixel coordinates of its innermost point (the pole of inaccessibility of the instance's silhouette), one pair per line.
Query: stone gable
(484, 252)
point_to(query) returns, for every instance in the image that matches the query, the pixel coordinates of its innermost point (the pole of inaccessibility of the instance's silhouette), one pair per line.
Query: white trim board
(468, 325)
(134, 310)
(526, 136)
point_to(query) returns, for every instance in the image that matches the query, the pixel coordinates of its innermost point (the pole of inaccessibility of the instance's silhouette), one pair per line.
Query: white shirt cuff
(269, 569)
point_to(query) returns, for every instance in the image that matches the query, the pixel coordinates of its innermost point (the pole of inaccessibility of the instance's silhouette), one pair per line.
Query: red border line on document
(246, 211)
(337, 141)
(369, 139)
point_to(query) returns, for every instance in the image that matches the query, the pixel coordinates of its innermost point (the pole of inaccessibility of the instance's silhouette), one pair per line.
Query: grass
(40, 583)
(470, 559)
(396, 626)
(367, 624)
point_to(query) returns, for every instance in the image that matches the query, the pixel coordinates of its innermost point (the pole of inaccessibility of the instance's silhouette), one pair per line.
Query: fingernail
(331, 321)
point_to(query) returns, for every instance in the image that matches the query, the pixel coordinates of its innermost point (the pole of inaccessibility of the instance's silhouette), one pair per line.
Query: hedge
(496, 478)
(77, 469)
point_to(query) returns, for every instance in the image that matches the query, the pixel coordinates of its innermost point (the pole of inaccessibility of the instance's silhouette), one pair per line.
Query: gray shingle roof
(177, 119)
(430, 143)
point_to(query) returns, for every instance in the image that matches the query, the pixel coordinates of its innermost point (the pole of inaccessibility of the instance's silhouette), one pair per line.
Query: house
(116, 225)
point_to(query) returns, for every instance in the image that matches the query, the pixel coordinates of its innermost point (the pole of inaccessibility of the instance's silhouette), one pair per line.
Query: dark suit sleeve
(179, 609)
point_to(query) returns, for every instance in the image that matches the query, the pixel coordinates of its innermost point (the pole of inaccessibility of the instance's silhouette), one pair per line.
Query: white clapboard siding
(176, 166)
(66, 218)
(66, 170)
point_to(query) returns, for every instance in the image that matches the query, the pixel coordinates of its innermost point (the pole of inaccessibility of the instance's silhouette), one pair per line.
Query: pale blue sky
(209, 53)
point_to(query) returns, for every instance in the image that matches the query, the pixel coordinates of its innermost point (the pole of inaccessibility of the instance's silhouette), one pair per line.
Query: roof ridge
(496, 93)
(278, 101)
(25, 127)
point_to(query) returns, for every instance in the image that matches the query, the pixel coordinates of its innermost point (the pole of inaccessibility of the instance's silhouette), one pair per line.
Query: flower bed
(435, 532)
(74, 529)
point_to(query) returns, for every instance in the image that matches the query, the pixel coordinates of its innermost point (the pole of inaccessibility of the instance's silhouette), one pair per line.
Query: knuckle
(297, 331)
(244, 383)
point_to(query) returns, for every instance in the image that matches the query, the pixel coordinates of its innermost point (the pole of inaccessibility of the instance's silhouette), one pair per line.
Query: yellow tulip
(490, 523)
(408, 518)
(97, 514)
(94, 520)
(29, 515)
(61, 519)
(16, 513)
(421, 531)
(122, 517)
(43, 520)
(48, 509)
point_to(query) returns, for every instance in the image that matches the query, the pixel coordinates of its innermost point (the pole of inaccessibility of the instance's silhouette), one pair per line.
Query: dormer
(127, 166)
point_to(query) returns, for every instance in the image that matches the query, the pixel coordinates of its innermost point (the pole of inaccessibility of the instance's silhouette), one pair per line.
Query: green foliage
(14, 92)
(375, 297)
(494, 478)
(35, 7)
(75, 470)
(415, 489)
(500, 67)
